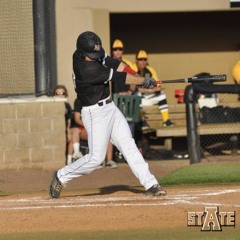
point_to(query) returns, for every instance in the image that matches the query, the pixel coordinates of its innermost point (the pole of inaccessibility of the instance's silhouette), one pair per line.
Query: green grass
(204, 173)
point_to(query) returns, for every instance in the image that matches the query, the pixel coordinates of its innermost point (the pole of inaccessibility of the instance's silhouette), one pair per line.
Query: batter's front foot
(156, 190)
(55, 186)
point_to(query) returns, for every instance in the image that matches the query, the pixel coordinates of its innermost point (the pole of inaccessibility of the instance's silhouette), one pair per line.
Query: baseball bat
(205, 79)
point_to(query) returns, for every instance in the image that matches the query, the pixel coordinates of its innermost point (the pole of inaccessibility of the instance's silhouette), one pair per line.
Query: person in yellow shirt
(121, 87)
(236, 72)
(118, 50)
(152, 96)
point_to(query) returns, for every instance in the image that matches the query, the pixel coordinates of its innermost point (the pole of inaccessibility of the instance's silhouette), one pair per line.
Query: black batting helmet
(90, 44)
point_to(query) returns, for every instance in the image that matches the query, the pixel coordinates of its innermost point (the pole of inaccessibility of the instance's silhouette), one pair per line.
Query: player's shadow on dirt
(118, 188)
(113, 189)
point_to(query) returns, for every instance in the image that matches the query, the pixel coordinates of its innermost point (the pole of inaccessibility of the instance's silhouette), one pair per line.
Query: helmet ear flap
(82, 54)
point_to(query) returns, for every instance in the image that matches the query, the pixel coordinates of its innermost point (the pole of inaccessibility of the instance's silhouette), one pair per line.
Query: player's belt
(109, 100)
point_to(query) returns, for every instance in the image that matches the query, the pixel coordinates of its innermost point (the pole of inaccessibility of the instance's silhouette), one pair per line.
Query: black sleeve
(112, 63)
(93, 73)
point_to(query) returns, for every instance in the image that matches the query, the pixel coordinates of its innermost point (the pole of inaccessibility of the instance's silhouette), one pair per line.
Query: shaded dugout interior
(177, 32)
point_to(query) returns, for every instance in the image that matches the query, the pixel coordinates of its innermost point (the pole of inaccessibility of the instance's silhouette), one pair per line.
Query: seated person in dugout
(152, 96)
(120, 87)
(236, 72)
(61, 91)
(206, 100)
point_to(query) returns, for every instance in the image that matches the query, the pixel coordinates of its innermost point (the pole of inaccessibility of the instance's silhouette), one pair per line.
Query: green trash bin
(129, 106)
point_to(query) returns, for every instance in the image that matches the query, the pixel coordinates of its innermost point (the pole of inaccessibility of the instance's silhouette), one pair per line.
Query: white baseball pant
(103, 123)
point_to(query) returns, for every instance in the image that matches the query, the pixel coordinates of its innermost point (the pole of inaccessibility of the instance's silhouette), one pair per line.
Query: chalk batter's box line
(178, 199)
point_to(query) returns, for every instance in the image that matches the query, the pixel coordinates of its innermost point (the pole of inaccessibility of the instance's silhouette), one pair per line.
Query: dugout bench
(185, 116)
(177, 114)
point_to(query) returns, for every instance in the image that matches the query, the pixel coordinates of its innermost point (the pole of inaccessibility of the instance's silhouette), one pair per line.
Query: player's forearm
(133, 79)
(78, 121)
(77, 118)
(130, 78)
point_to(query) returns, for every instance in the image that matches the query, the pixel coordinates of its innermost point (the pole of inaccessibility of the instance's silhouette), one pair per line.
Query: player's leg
(76, 142)
(98, 126)
(69, 147)
(122, 138)
(163, 107)
(109, 157)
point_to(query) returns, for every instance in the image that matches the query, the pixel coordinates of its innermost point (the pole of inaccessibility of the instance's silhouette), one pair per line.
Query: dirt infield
(108, 199)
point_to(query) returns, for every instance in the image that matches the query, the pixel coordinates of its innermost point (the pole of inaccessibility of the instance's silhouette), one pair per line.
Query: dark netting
(16, 48)
(223, 115)
(216, 117)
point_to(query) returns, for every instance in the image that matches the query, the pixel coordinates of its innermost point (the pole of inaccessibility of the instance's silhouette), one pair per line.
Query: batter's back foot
(55, 186)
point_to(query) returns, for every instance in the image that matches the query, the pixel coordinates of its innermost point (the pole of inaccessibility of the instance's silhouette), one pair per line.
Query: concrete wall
(32, 134)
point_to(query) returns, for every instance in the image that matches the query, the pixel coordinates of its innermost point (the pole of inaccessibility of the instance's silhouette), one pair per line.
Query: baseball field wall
(32, 134)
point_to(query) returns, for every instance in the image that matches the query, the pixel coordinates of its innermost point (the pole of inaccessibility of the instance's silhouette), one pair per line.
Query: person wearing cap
(151, 96)
(120, 87)
(93, 69)
(236, 72)
(118, 50)
(61, 91)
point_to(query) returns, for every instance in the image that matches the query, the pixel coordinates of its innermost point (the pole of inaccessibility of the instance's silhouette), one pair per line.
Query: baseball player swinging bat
(205, 79)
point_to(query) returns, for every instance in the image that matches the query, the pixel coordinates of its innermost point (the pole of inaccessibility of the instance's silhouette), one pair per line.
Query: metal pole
(192, 133)
(41, 47)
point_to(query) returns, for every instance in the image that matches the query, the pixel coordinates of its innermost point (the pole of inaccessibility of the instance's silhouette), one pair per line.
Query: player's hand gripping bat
(205, 79)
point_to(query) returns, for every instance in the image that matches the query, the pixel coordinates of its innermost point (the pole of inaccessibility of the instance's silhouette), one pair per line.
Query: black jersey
(91, 78)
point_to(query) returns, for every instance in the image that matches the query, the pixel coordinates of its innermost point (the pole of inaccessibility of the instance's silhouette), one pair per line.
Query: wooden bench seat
(153, 116)
(203, 129)
(177, 114)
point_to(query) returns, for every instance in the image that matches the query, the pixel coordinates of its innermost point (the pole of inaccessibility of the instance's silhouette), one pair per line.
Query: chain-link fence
(16, 48)
(219, 125)
(28, 48)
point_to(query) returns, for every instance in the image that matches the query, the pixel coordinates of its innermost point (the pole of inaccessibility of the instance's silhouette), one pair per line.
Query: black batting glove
(149, 83)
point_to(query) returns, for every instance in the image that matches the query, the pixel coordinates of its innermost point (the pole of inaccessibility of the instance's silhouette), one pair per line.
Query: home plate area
(217, 196)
